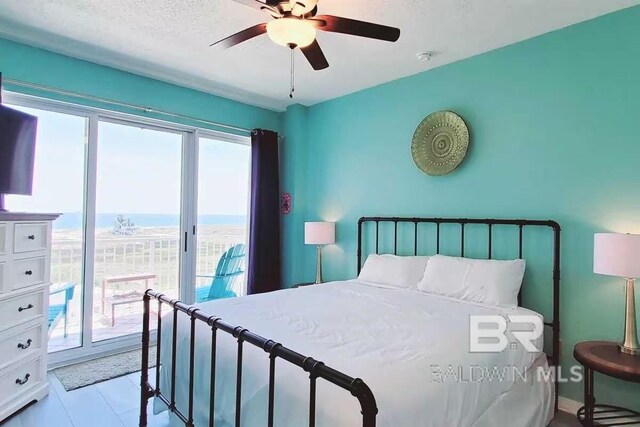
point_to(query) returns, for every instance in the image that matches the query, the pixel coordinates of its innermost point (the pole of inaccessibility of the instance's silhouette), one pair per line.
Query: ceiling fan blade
(337, 24)
(242, 36)
(315, 56)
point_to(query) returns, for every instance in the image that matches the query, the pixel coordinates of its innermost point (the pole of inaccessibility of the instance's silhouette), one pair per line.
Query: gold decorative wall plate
(440, 143)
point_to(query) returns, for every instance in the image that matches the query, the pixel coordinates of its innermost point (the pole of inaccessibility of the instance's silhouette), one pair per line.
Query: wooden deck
(128, 321)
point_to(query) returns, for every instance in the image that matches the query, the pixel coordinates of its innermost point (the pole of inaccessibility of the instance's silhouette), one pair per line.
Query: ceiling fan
(295, 23)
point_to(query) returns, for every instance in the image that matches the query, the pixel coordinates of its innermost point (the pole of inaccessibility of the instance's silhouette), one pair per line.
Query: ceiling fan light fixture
(302, 7)
(291, 31)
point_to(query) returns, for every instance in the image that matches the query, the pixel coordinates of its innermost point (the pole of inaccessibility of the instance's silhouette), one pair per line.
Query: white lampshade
(616, 254)
(319, 233)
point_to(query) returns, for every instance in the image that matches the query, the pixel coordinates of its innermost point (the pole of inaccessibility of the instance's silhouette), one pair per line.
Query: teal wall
(554, 126)
(32, 65)
(293, 165)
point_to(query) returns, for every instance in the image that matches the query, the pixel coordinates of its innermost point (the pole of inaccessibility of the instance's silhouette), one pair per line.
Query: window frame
(189, 164)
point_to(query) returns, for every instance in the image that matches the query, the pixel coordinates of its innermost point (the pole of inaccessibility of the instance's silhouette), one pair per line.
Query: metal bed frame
(316, 369)
(274, 350)
(554, 323)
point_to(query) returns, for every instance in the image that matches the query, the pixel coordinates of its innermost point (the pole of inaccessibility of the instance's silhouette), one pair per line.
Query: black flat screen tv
(17, 152)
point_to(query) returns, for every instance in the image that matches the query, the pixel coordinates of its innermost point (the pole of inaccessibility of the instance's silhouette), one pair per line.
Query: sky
(139, 170)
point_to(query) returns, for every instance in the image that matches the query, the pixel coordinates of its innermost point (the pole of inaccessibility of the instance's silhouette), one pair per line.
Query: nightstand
(297, 285)
(605, 357)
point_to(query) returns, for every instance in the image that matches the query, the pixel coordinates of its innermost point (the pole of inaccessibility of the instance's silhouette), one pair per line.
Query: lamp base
(630, 345)
(319, 265)
(629, 350)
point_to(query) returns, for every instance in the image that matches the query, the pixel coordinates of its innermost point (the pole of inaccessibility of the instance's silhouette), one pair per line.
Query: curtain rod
(121, 104)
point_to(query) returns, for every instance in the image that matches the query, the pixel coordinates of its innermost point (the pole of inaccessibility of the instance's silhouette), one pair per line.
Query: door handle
(28, 272)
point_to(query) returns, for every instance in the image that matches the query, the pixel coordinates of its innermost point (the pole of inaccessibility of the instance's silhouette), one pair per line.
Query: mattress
(411, 348)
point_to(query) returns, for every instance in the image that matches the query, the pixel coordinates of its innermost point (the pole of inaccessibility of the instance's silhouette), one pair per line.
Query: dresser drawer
(4, 233)
(30, 237)
(21, 345)
(28, 272)
(20, 380)
(18, 310)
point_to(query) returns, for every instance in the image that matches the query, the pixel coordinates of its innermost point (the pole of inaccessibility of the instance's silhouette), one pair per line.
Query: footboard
(274, 350)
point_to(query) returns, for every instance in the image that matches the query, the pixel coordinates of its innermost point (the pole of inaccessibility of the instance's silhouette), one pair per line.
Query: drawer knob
(25, 346)
(28, 272)
(24, 381)
(31, 237)
(21, 309)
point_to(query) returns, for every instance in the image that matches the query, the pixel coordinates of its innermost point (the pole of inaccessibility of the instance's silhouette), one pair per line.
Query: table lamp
(619, 255)
(319, 233)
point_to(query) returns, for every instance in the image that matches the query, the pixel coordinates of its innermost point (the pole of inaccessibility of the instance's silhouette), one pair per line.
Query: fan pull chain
(292, 87)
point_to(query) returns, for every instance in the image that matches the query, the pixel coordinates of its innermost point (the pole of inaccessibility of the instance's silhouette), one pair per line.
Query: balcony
(151, 252)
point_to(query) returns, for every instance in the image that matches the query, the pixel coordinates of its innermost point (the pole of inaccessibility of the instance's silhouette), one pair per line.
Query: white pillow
(486, 281)
(392, 270)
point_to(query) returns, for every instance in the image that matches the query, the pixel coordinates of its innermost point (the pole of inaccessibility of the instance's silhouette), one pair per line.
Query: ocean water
(73, 221)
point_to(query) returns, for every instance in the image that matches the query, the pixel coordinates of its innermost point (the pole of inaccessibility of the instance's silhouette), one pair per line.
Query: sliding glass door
(59, 177)
(137, 241)
(223, 200)
(144, 204)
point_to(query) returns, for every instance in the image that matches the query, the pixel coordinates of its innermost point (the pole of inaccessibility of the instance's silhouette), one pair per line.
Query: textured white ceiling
(169, 39)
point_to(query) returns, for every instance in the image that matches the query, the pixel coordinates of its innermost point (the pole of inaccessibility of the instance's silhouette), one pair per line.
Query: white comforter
(395, 340)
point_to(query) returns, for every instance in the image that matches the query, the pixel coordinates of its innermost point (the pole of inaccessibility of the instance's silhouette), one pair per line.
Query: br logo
(488, 333)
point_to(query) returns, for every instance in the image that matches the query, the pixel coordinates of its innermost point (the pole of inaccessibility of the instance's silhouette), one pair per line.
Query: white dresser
(25, 251)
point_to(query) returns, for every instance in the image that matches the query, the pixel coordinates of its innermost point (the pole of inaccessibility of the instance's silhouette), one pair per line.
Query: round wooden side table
(605, 357)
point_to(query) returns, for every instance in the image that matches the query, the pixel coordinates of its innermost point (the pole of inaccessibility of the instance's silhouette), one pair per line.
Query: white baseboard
(568, 405)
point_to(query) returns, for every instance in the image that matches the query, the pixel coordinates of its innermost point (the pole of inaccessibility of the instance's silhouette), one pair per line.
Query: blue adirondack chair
(60, 310)
(229, 270)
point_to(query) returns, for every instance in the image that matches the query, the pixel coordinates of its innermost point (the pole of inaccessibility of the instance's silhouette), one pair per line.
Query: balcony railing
(154, 251)
(120, 255)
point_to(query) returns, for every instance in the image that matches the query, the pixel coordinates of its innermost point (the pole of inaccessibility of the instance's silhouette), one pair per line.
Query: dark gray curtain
(264, 230)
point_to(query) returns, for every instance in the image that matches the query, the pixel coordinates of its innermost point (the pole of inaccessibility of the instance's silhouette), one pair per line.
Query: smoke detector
(425, 56)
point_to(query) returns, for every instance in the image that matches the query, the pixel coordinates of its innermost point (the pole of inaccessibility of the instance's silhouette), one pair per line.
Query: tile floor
(112, 403)
(115, 403)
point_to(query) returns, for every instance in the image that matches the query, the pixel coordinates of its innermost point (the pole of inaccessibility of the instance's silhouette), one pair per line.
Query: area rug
(95, 371)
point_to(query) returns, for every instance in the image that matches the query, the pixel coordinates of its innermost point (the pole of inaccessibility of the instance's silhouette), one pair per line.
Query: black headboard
(554, 324)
